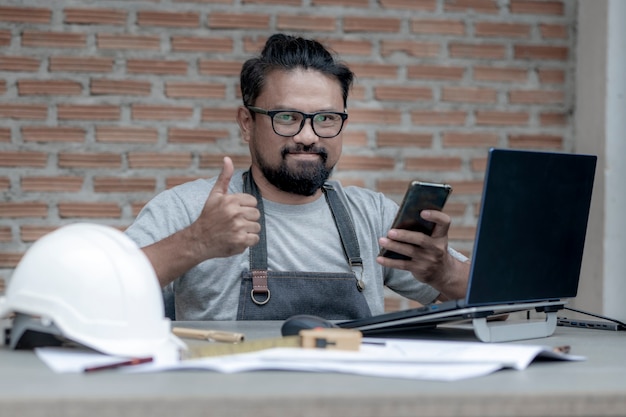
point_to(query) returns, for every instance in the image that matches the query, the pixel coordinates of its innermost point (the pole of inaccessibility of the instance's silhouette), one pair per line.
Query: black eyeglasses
(288, 123)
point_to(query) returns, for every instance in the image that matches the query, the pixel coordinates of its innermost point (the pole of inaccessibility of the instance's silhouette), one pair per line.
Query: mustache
(312, 149)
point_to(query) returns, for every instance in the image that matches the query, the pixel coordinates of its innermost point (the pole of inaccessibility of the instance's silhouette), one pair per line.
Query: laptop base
(505, 331)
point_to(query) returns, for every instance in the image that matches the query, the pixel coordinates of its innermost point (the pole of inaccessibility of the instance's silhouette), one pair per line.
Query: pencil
(215, 335)
(130, 362)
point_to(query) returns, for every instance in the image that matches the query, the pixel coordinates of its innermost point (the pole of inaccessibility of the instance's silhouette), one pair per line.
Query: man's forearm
(171, 257)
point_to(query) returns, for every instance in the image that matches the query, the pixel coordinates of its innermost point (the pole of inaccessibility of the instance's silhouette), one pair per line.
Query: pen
(130, 362)
(216, 335)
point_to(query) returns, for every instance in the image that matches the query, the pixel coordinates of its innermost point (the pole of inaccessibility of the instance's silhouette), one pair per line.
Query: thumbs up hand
(228, 223)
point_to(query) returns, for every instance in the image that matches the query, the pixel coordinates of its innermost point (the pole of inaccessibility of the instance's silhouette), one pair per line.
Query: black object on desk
(293, 325)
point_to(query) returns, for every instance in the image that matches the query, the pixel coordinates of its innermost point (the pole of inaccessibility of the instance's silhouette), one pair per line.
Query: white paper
(76, 360)
(414, 359)
(68, 360)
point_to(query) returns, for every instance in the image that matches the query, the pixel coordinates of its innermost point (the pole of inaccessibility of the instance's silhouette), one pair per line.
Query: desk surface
(595, 387)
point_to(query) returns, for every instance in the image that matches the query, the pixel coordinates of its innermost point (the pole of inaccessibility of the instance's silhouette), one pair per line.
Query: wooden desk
(596, 387)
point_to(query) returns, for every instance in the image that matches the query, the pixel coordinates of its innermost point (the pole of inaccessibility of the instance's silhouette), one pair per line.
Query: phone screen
(419, 196)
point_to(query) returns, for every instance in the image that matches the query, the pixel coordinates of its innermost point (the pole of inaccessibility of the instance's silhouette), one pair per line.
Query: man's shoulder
(351, 189)
(205, 185)
(356, 195)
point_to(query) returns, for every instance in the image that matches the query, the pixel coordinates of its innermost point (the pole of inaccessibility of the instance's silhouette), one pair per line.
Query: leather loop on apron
(277, 295)
(259, 286)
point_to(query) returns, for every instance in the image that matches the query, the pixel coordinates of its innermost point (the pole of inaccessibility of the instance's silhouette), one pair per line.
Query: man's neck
(272, 193)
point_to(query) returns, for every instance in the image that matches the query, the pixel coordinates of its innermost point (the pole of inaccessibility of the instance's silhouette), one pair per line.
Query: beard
(305, 178)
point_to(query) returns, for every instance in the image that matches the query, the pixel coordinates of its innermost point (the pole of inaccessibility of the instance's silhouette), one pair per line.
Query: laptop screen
(532, 226)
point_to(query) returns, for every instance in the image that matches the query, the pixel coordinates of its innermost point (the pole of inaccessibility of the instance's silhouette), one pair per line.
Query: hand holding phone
(419, 196)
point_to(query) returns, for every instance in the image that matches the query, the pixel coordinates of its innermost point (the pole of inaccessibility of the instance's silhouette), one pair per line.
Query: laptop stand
(508, 331)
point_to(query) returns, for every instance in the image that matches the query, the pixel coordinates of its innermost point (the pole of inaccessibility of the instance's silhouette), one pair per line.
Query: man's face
(301, 163)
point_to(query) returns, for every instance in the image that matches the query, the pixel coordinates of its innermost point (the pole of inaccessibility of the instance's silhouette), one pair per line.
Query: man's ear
(244, 119)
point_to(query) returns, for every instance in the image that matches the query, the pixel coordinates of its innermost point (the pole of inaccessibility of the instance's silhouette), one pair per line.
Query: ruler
(220, 349)
(334, 339)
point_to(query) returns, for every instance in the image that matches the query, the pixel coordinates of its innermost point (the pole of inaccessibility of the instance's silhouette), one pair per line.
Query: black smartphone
(419, 196)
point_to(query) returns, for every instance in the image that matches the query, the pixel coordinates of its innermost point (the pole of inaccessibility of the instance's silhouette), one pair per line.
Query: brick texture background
(104, 103)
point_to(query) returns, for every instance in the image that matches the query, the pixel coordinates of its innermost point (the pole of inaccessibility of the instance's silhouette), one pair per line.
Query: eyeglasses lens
(324, 124)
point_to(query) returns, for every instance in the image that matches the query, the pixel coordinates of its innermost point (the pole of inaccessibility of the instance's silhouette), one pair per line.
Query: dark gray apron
(278, 295)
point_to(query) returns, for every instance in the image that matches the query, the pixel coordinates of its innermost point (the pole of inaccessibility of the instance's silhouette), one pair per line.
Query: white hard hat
(94, 285)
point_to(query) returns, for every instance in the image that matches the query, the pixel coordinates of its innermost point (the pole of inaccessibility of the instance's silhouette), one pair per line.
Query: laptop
(529, 242)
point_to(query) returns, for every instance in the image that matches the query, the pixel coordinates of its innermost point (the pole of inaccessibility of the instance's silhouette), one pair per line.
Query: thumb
(223, 179)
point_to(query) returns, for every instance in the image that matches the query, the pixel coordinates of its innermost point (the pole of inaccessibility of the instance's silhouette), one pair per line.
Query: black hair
(286, 52)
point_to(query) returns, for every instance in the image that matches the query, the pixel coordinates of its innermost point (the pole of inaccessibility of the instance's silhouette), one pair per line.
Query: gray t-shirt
(299, 238)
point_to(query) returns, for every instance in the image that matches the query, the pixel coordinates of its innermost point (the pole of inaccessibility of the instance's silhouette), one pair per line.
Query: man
(279, 239)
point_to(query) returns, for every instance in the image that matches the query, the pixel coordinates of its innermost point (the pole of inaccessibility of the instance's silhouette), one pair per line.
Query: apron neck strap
(343, 222)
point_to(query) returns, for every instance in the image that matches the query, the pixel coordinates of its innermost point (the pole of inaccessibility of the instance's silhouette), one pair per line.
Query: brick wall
(105, 103)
